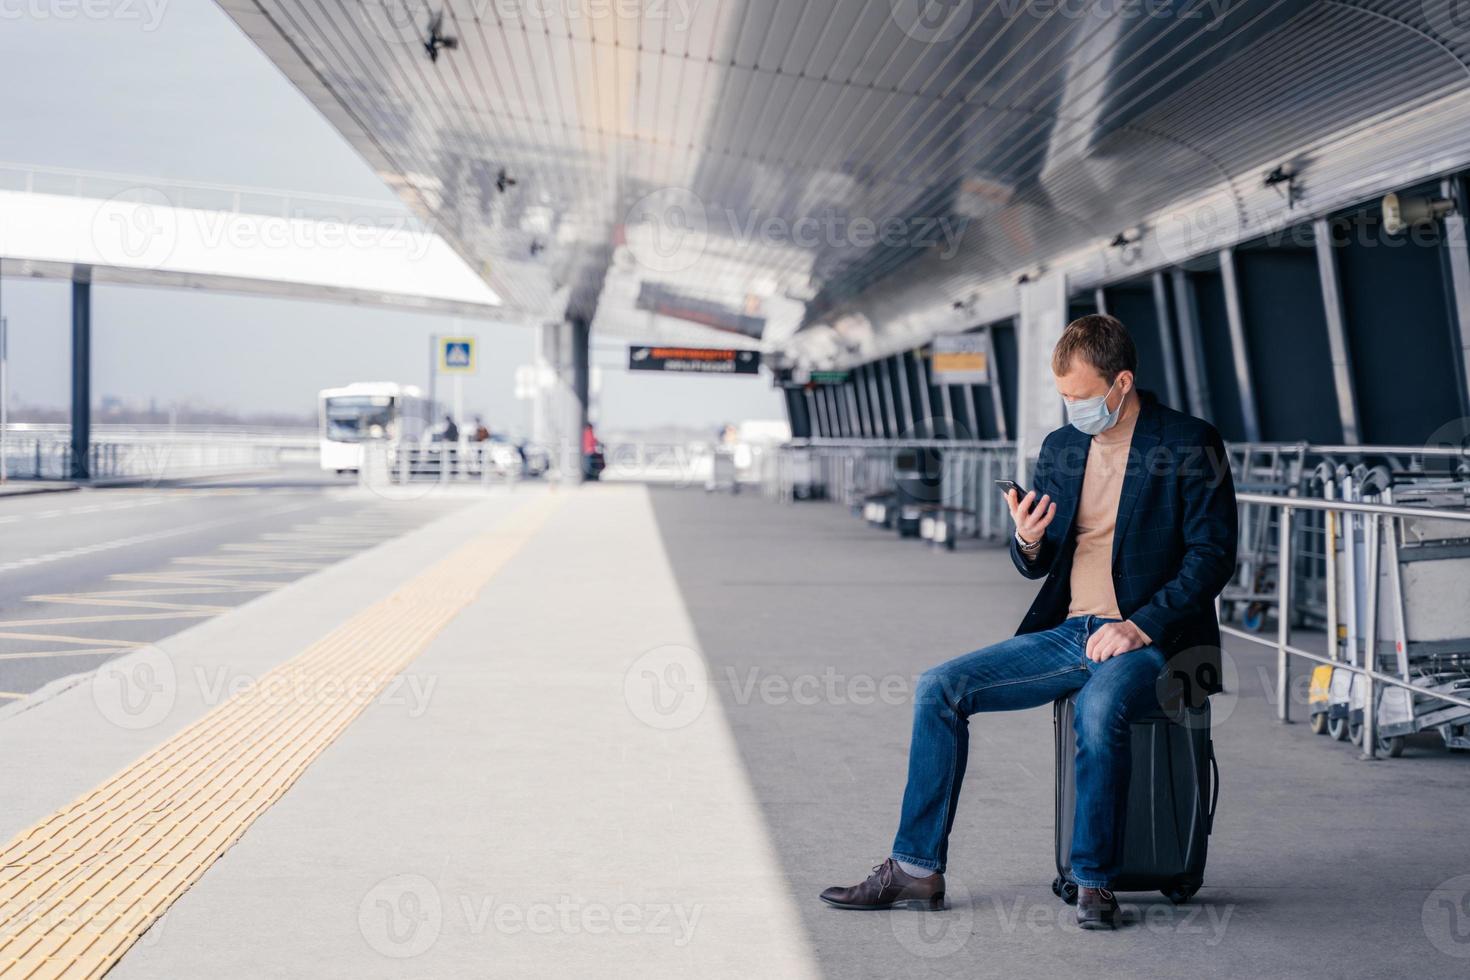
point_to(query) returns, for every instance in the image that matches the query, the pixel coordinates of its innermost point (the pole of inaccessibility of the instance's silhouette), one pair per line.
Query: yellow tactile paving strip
(81, 886)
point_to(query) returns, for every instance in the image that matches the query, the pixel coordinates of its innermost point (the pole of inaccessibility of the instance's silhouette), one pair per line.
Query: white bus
(364, 410)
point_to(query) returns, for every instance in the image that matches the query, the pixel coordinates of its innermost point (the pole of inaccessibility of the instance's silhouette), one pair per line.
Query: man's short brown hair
(1101, 341)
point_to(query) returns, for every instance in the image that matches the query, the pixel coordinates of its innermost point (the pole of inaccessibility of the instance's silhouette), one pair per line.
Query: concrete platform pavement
(520, 806)
(668, 721)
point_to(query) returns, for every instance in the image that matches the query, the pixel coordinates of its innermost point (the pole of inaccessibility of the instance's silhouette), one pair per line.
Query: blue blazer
(1174, 545)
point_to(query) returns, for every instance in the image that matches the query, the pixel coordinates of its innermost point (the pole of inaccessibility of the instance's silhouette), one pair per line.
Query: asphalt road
(86, 575)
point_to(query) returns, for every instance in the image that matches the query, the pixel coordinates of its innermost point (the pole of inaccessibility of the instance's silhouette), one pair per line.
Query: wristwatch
(1027, 549)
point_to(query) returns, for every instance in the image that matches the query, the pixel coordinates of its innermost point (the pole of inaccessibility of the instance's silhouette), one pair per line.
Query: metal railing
(958, 476)
(43, 451)
(1287, 507)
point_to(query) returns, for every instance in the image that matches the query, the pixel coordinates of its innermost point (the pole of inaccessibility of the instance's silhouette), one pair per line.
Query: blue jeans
(1024, 672)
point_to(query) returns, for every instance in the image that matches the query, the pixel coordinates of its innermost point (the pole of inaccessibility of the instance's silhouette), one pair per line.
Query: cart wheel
(1355, 733)
(1338, 728)
(1319, 723)
(1393, 747)
(1254, 617)
(1064, 889)
(1181, 891)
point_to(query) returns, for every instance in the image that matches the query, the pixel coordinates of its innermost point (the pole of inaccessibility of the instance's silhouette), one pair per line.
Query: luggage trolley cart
(1337, 695)
(1424, 599)
(723, 474)
(1274, 470)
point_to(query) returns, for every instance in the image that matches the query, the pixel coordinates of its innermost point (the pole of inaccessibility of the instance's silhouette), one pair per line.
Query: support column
(1235, 319)
(1166, 342)
(81, 373)
(565, 349)
(1457, 252)
(900, 361)
(891, 406)
(1186, 306)
(578, 338)
(997, 396)
(1342, 376)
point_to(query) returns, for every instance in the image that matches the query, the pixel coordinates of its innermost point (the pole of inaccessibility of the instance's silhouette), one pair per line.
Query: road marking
(81, 885)
(84, 652)
(10, 694)
(92, 549)
(87, 509)
(77, 640)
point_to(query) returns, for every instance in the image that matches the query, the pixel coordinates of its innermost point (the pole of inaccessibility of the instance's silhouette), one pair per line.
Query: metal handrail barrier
(851, 471)
(1282, 644)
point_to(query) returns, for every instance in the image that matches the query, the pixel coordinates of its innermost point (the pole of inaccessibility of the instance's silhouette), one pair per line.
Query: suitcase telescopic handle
(1214, 788)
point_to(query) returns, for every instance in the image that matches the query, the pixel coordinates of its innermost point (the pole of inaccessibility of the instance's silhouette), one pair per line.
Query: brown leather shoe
(1096, 908)
(889, 887)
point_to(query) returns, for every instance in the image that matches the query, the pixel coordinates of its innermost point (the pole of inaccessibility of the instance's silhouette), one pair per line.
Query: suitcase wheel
(1181, 891)
(1064, 889)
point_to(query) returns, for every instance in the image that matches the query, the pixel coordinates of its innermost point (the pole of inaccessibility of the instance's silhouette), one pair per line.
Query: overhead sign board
(961, 359)
(694, 360)
(456, 355)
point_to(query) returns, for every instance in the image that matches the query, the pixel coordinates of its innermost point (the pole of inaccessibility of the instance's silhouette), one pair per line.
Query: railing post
(1283, 614)
(1370, 644)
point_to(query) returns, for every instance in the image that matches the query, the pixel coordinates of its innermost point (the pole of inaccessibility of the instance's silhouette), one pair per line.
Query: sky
(172, 89)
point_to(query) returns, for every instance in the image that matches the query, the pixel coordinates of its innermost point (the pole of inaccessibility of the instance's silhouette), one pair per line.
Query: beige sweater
(1097, 516)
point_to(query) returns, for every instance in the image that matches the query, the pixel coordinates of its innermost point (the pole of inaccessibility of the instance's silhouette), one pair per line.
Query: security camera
(1402, 212)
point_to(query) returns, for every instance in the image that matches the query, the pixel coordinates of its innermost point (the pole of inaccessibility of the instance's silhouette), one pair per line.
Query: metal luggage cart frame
(1367, 676)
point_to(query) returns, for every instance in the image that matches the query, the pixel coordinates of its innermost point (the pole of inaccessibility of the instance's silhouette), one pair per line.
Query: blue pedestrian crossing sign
(456, 355)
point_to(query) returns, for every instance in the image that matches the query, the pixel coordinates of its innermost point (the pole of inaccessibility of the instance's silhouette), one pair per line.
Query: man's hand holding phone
(1031, 515)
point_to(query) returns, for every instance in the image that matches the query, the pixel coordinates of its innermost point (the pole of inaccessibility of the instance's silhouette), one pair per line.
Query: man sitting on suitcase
(1132, 524)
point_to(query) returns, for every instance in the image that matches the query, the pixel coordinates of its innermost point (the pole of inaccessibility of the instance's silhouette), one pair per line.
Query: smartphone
(1006, 486)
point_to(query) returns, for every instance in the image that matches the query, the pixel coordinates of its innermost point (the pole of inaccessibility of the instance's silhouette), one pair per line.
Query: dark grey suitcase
(1171, 802)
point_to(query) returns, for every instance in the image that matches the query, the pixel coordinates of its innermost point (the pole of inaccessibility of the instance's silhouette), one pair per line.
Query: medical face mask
(1091, 415)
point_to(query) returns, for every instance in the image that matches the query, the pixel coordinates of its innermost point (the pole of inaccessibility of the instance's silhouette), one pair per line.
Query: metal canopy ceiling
(813, 162)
